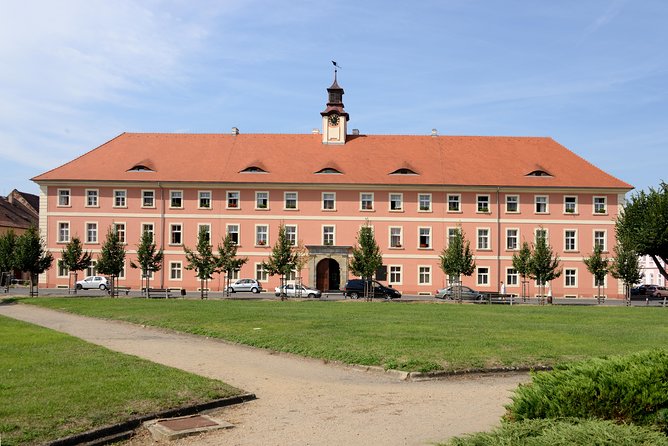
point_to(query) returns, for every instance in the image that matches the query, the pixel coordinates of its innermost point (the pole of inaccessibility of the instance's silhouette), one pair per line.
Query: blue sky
(591, 74)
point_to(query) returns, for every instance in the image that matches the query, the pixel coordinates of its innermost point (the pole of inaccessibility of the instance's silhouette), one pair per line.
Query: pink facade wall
(347, 217)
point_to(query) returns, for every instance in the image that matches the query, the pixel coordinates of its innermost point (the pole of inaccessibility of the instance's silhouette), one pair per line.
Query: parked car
(291, 290)
(452, 292)
(651, 292)
(92, 282)
(251, 285)
(355, 289)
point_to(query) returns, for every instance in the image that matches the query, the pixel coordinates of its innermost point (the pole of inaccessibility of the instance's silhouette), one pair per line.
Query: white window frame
(62, 237)
(517, 203)
(285, 201)
(567, 240)
(604, 248)
(450, 234)
(150, 231)
(487, 238)
(172, 232)
(458, 201)
(230, 197)
(605, 282)
(87, 197)
(429, 235)
(517, 239)
(122, 195)
(176, 266)
(96, 238)
(207, 225)
(258, 235)
(596, 205)
(238, 231)
(367, 197)
(547, 234)
(333, 200)
(573, 276)
(392, 272)
(261, 274)
(327, 235)
(429, 201)
(258, 204)
(478, 208)
(479, 273)
(546, 203)
(124, 231)
(61, 270)
(400, 244)
(200, 198)
(401, 201)
(293, 238)
(515, 281)
(146, 193)
(91, 269)
(575, 204)
(426, 273)
(175, 193)
(67, 196)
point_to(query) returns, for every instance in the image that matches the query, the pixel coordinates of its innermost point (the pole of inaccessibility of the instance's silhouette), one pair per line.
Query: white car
(291, 290)
(251, 285)
(92, 282)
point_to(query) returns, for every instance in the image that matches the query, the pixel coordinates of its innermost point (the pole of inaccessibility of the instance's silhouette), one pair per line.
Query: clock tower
(334, 118)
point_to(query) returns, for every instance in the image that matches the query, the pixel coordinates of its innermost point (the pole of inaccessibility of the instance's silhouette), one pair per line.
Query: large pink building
(414, 190)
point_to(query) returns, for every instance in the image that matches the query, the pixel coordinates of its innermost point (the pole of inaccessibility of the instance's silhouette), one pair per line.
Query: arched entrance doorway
(328, 275)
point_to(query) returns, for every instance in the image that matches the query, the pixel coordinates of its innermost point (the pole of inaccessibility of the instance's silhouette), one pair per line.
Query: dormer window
(403, 171)
(253, 169)
(140, 168)
(538, 173)
(330, 170)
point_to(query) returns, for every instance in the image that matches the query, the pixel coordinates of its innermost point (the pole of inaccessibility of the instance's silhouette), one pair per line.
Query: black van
(355, 289)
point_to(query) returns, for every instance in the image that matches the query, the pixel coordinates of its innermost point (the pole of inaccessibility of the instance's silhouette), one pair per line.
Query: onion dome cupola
(334, 118)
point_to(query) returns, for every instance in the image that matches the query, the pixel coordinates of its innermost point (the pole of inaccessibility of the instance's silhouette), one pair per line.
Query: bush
(571, 432)
(626, 389)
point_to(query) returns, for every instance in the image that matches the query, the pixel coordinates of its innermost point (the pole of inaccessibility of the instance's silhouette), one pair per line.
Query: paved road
(301, 401)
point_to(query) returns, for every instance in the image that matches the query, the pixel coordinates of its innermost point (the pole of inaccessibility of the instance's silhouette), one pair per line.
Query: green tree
(302, 258)
(366, 256)
(282, 259)
(7, 255)
(522, 264)
(457, 260)
(31, 256)
(626, 267)
(228, 262)
(149, 258)
(642, 225)
(74, 258)
(111, 260)
(598, 266)
(202, 261)
(544, 264)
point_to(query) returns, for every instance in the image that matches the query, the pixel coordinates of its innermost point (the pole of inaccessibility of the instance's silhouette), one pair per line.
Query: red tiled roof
(364, 159)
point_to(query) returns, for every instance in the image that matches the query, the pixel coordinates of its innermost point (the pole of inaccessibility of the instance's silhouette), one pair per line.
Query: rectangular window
(233, 199)
(91, 270)
(207, 229)
(541, 204)
(396, 202)
(424, 202)
(261, 274)
(62, 271)
(483, 276)
(91, 232)
(147, 228)
(92, 196)
(366, 201)
(120, 231)
(483, 203)
(512, 239)
(233, 231)
(291, 234)
(175, 270)
(570, 205)
(570, 240)
(483, 238)
(328, 235)
(396, 237)
(204, 199)
(290, 200)
(452, 233)
(454, 203)
(600, 282)
(512, 277)
(395, 275)
(424, 275)
(541, 233)
(600, 205)
(63, 197)
(175, 234)
(600, 240)
(176, 199)
(424, 237)
(328, 201)
(63, 232)
(261, 200)
(570, 277)
(261, 235)
(512, 204)
(120, 198)
(148, 198)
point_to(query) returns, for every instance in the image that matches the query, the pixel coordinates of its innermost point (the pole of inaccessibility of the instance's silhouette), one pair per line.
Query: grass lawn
(412, 337)
(54, 385)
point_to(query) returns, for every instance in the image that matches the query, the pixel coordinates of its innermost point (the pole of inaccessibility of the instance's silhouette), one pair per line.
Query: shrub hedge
(625, 389)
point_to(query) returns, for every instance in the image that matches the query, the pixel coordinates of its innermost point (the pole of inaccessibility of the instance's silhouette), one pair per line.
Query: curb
(123, 430)
(423, 376)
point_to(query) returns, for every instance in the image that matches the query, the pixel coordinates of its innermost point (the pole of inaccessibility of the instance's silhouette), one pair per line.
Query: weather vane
(336, 67)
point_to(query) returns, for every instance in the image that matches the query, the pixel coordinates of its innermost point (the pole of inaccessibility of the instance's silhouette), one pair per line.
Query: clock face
(333, 119)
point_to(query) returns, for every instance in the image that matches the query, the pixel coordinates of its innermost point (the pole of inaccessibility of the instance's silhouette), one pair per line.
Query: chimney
(235, 131)
(434, 132)
(356, 132)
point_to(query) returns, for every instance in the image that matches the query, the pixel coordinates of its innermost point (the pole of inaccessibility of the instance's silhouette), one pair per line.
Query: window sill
(328, 210)
(450, 211)
(367, 210)
(262, 209)
(290, 209)
(119, 207)
(428, 211)
(426, 248)
(484, 212)
(397, 247)
(600, 213)
(205, 209)
(92, 207)
(484, 249)
(175, 208)
(396, 210)
(512, 212)
(571, 213)
(541, 213)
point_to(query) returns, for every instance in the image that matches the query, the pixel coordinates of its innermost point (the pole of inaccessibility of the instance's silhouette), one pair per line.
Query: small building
(415, 190)
(18, 211)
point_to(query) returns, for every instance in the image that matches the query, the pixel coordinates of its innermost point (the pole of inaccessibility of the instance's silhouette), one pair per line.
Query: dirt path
(301, 401)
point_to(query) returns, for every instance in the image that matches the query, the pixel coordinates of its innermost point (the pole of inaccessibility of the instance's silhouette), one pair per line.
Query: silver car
(453, 292)
(291, 290)
(251, 285)
(92, 282)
